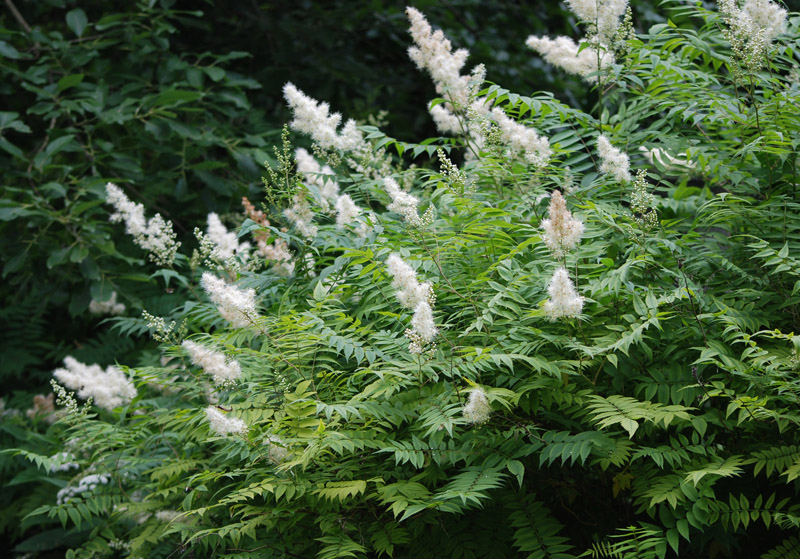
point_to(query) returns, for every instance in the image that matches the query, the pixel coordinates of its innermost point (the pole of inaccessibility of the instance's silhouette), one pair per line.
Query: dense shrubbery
(577, 341)
(107, 99)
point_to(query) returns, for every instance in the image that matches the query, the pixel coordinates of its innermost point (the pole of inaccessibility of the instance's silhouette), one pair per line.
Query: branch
(18, 16)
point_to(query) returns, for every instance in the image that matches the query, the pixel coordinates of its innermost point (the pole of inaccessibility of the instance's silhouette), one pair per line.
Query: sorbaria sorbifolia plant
(566, 334)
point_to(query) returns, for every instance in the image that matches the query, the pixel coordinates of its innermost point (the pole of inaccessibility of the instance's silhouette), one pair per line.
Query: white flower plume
(561, 231)
(108, 389)
(224, 372)
(322, 177)
(226, 242)
(522, 138)
(564, 53)
(107, 307)
(223, 424)
(403, 203)
(613, 161)
(154, 235)
(314, 119)
(564, 301)
(477, 409)
(601, 16)
(408, 290)
(235, 305)
(346, 211)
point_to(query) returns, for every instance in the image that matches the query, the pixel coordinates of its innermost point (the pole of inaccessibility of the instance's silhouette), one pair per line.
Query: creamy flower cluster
(226, 242)
(237, 306)
(562, 232)
(464, 112)
(63, 462)
(408, 290)
(602, 18)
(278, 252)
(346, 211)
(562, 52)
(433, 53)
(417, 296)
(752, 28)
(564, 300)
(301, 216)
(108, 389)
(224, 372)
(403, 203)
(314, 119)
(154, 235)
(322, 177)
(223, 424)
(329, 200)
(86, 483)
(107, 307)
(613, 162)
(477, 409)
(519, 137)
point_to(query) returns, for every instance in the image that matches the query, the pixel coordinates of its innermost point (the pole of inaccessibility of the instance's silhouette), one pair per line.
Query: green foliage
(656, 417)
(88, 98)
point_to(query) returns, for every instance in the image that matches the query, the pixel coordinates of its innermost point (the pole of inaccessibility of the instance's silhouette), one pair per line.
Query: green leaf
(517, 468)
(57, 257)
(69, 81)
(9, 119)
(215, 73)
(77, 21)
(8, 51)
(673, 538)
(173, 97)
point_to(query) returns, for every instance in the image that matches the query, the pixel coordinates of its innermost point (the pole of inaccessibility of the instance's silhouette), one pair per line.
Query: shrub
(578, 341)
